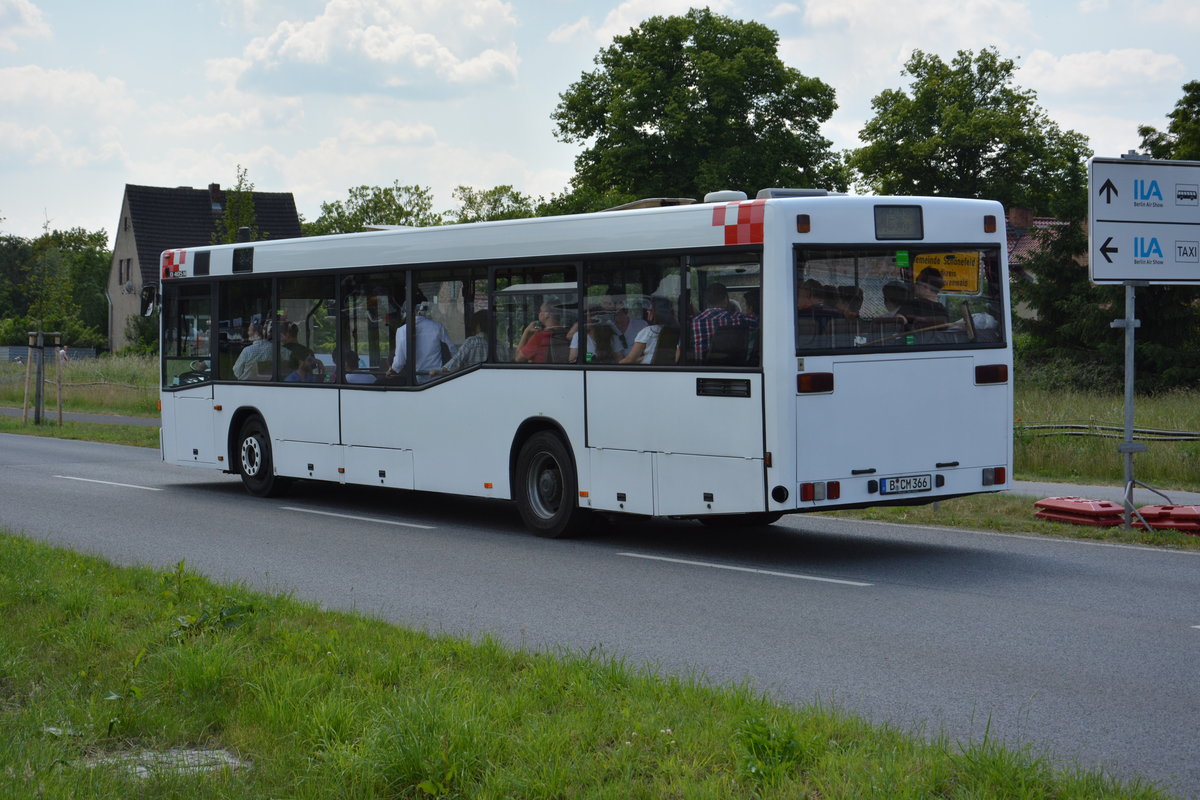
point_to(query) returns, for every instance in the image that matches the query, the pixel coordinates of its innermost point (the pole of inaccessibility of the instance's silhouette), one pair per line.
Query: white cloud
(632, 13)
(64, 91)
(1175, 13)
(20, 19)
(572, 32)
(366, 45)
(62, 117)
(784, 10)
(1096, 71)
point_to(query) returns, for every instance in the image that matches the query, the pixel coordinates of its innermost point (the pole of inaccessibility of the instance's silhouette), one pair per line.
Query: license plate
(906, 484)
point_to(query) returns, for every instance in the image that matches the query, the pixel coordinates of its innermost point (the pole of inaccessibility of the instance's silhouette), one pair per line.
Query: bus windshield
(881, 299)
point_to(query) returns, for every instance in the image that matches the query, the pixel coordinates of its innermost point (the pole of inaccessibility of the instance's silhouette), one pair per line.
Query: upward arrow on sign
(1109, 190)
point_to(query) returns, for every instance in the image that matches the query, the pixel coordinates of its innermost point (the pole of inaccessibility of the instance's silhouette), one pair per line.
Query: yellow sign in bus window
(960, 271)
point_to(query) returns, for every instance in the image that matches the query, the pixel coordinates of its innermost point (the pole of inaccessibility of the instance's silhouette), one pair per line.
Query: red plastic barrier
(1171, 518)
(1081, 511)
(1079, 519)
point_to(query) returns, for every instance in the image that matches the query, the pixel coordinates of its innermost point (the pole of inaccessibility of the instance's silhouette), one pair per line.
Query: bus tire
(255, 464)
(547, 488)
(757, 519)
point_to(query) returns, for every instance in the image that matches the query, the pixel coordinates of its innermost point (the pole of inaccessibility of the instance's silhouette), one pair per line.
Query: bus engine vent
(722, 387)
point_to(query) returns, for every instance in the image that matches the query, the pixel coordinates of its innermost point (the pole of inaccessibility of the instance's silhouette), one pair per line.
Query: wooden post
(58, 375)
(28, 373)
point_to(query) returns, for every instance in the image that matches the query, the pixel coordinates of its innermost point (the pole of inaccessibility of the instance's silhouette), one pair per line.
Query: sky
(317, 96)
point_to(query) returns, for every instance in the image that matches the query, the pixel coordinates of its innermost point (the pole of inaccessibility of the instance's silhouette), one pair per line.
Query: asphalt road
(1085, 652)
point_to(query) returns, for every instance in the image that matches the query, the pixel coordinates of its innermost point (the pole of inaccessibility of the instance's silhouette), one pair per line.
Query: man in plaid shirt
(716, 314)
(472, 351)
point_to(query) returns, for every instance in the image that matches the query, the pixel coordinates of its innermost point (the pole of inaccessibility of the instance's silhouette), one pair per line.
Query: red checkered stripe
(742, 221)
(173, 261)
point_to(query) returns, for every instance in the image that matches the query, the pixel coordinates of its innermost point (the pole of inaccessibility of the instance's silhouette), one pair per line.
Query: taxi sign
(1144, 220)
(960, 271)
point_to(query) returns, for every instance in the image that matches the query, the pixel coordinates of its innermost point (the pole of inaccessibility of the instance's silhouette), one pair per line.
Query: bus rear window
(896, 298)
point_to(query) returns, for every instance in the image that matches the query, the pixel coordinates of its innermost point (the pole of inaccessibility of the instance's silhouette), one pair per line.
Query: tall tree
(965, 130)
(683, 105)
(238, 213)
(499, 202)
(375, 205)
(1181, 139)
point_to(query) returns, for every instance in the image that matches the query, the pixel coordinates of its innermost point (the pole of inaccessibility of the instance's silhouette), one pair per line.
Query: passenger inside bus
(434, 346)
(474, 349)
(544, 341)
(924, 310)
(254, 362)
(604, 339)
(658, 342)
(716, 315)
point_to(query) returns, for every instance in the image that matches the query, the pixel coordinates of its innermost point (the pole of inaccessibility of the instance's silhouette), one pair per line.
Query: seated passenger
(256, 358)
(658, 342)
(716, 314)
(924, 311)
(542, 338)
(603, 338)
(475, 349)
(304, 370)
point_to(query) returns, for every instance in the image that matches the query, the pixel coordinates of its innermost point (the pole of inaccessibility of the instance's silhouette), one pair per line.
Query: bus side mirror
(149, 300)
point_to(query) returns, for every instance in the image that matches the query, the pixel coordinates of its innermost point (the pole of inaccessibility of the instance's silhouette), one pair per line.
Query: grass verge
(99, 662)
(137, 435)
(1006, 513)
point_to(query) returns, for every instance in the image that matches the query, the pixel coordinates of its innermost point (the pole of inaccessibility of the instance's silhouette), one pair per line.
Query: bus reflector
(995, 476)
(583, 493)
(487, 486)
(216, 408)
(803, 223)
(989, 223)
(833, 490)
(814, 382)
(991, 373)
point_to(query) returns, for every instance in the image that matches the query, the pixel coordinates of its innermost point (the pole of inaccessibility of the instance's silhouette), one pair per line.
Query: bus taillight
(995, 476)
(831, 490)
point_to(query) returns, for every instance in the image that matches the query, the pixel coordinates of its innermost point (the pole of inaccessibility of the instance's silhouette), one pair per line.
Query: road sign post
(1143, 229)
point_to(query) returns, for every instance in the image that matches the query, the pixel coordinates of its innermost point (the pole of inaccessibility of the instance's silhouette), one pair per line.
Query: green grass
(1007, 513)
(137, 435)
(124, 385)
(97, 662)
(1078, 459)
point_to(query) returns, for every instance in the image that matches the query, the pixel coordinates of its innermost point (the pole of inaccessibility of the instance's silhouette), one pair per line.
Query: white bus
(728, 361)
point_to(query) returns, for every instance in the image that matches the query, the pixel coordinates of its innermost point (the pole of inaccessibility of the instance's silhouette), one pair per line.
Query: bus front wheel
(547, 488)
(255, 464)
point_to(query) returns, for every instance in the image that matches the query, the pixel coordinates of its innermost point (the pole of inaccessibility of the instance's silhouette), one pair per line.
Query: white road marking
(110, 483)
(359, 519)
(772, 573)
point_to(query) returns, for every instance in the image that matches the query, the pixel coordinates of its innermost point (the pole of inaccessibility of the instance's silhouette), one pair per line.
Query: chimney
(216, 196)
(1020, 218)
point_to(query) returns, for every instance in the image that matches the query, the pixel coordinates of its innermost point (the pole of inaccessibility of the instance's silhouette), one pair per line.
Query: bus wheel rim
(251, 455)
(546, 486)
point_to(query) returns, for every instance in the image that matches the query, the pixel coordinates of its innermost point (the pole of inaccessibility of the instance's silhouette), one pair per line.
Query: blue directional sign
(1144, 220)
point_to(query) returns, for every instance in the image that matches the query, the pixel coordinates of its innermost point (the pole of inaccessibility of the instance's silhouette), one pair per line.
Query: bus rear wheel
(255, 463)
(757, 519)
(547, 488)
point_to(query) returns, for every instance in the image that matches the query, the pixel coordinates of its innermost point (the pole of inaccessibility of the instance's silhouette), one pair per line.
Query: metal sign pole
(1128, 447)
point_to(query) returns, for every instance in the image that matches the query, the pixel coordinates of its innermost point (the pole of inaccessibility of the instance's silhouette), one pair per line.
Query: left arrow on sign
(1105, 249)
